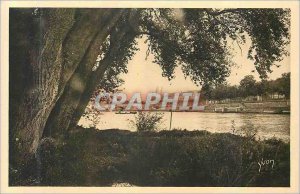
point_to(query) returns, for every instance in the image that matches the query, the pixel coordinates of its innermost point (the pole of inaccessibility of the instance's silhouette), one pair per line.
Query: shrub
(147, 121)
(92, 157)
(248, 130)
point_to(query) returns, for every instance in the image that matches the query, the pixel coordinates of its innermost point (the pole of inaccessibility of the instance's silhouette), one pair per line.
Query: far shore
(259, 107)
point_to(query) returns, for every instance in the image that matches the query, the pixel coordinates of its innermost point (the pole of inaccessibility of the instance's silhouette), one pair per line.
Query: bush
(147, 121)
(167, 158)
(248, 130)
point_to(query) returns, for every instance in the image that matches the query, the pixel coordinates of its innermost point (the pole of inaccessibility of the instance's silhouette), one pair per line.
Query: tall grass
(165, 158)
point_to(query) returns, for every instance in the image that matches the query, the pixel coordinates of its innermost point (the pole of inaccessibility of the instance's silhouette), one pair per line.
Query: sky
(145, 76)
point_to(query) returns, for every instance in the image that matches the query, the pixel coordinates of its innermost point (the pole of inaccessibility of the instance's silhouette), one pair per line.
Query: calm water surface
(268, 125)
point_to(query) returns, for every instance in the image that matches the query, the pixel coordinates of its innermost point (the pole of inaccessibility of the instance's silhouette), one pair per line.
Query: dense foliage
(198, 40)
(167, 158)
(249, 87)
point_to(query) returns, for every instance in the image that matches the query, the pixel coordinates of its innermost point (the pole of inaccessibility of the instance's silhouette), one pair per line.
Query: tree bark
(62, 113)
(46, 47)
(35, 65)
(76, 96)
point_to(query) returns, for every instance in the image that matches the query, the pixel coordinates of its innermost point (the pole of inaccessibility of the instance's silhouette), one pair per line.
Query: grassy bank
(168, 158)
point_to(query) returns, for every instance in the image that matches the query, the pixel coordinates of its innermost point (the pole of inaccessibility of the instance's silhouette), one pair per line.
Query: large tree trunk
(61, 116)
(35, 67)
(71, 105)
(46, 47)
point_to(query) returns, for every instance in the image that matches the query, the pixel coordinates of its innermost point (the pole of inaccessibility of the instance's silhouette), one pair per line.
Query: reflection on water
(268, 125)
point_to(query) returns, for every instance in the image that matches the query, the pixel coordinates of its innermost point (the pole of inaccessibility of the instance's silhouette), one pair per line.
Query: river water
(268, 125)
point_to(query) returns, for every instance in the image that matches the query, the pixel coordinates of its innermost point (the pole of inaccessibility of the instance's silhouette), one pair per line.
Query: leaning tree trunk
(61, 116)
(121, 40)
(46, 47)
(71, 105)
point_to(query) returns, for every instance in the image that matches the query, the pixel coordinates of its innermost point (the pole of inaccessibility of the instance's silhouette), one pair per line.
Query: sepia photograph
(155, 96)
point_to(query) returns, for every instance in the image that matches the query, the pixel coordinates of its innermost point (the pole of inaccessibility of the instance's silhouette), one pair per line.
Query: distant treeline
(249, 87)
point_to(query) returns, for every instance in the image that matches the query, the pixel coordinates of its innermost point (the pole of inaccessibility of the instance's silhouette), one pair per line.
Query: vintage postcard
(149, 97)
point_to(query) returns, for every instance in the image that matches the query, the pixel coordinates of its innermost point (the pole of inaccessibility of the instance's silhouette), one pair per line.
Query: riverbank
(267, 125)
(262, 107)
(90, 157)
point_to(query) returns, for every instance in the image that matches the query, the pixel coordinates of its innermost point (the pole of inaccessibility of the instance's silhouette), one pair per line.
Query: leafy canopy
(197, 39)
